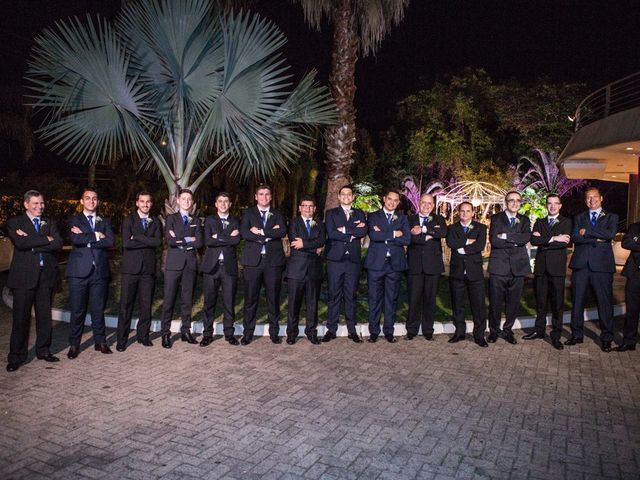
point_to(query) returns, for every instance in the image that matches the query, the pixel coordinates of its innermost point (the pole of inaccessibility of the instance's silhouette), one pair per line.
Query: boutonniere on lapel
(602, 214)
(42, 223)
(312, 223)
(470, 227)
(429, 218)
(516, 221)
(269, 214)
(149, 220)
(98, 219)
(553, 222)
(394, 217)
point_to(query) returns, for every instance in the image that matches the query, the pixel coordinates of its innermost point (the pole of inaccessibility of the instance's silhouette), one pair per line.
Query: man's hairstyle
(223, 194)
(307, 198)
(391, 190)
(143, 193)
(553, 195)
(29, 194)
(465, 203)
(185, 190)
(590, 189)
(89, 188)
(511, 192)
(349, 186)
(263, 186)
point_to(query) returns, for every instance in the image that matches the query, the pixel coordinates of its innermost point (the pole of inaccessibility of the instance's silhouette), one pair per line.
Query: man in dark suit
(631, 270)
(593, 263)
(424, 256)
(32, 275)
(467, 239)
(345, 228)
(183, 233)
(141, 235)
(552, 235)
(508, 265)
(262, 228)
(304, 270)
(220, 268)
(88, 272)
(389, 233)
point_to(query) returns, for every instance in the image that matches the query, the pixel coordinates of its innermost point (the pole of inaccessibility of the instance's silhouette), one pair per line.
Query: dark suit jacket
(272, 238)
(593, 249)
(339, 243)
(139, 246)
(509, 257)
(471, 261)
(631, 241)
(551, 257)
(87, 251)
(223, 243)
(182, 254)
(425, 256)
(305, 263)
(25, 265)
(383, 241)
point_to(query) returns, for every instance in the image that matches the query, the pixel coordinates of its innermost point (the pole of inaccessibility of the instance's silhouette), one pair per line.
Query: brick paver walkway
(409, 410)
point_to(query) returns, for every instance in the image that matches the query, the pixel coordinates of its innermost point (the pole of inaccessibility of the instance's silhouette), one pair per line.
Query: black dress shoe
(509, 338)
(145, 342)
(48, 358)
(456, 339)
(481, 342)
(246, 340)
(328, 337)
(102, 348)
(492, 337)
(291, 340)
(354, 337)
(206, 341)
(12, 367)
(73, 352)
(574, 341)
(166, 341)
(187, 337)
(232, 340)
(314, 339)
(390, 338)
(277, 340)
(627, 347)
(533, 336)
(373, 338)
(606, 347)
(121, 347)
(557, 344)
(410, 336)
(428, 336)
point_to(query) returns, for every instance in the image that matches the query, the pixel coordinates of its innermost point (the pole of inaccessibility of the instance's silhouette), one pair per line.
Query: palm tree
(359, 26)
(543, 174)
(177, 85)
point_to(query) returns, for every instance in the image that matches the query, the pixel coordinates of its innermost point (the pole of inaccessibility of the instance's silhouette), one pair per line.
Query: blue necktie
(308, 222)
(389, 218)
(425, 220)
(90, 218)
(263, 214)
(512, 221)
(144, 224)
(550, 221)
(465, 228)
(36, 224)
(594, 218)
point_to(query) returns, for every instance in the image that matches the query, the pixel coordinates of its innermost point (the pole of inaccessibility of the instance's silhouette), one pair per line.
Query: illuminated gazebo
(484, 197)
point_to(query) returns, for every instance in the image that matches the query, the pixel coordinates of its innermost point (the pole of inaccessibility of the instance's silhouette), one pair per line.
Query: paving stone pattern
(418, 409)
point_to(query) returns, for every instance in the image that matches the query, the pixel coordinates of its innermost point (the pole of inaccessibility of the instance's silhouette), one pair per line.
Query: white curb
(111, 321)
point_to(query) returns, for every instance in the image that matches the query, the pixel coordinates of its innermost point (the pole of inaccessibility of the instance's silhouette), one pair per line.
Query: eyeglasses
(514, 200)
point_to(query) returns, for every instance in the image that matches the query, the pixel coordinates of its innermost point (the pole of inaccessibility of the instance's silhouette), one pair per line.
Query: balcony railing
(615, 97)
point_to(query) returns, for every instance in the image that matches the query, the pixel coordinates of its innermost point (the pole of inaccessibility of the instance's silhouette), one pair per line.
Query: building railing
(615, 97)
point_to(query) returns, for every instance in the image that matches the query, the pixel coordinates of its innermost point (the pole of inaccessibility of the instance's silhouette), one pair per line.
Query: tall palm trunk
(341, 137)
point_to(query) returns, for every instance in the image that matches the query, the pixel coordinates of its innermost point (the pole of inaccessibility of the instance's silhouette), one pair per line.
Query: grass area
(443, 301)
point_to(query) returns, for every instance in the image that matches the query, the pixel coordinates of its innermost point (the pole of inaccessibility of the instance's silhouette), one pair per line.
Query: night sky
(595, 42)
